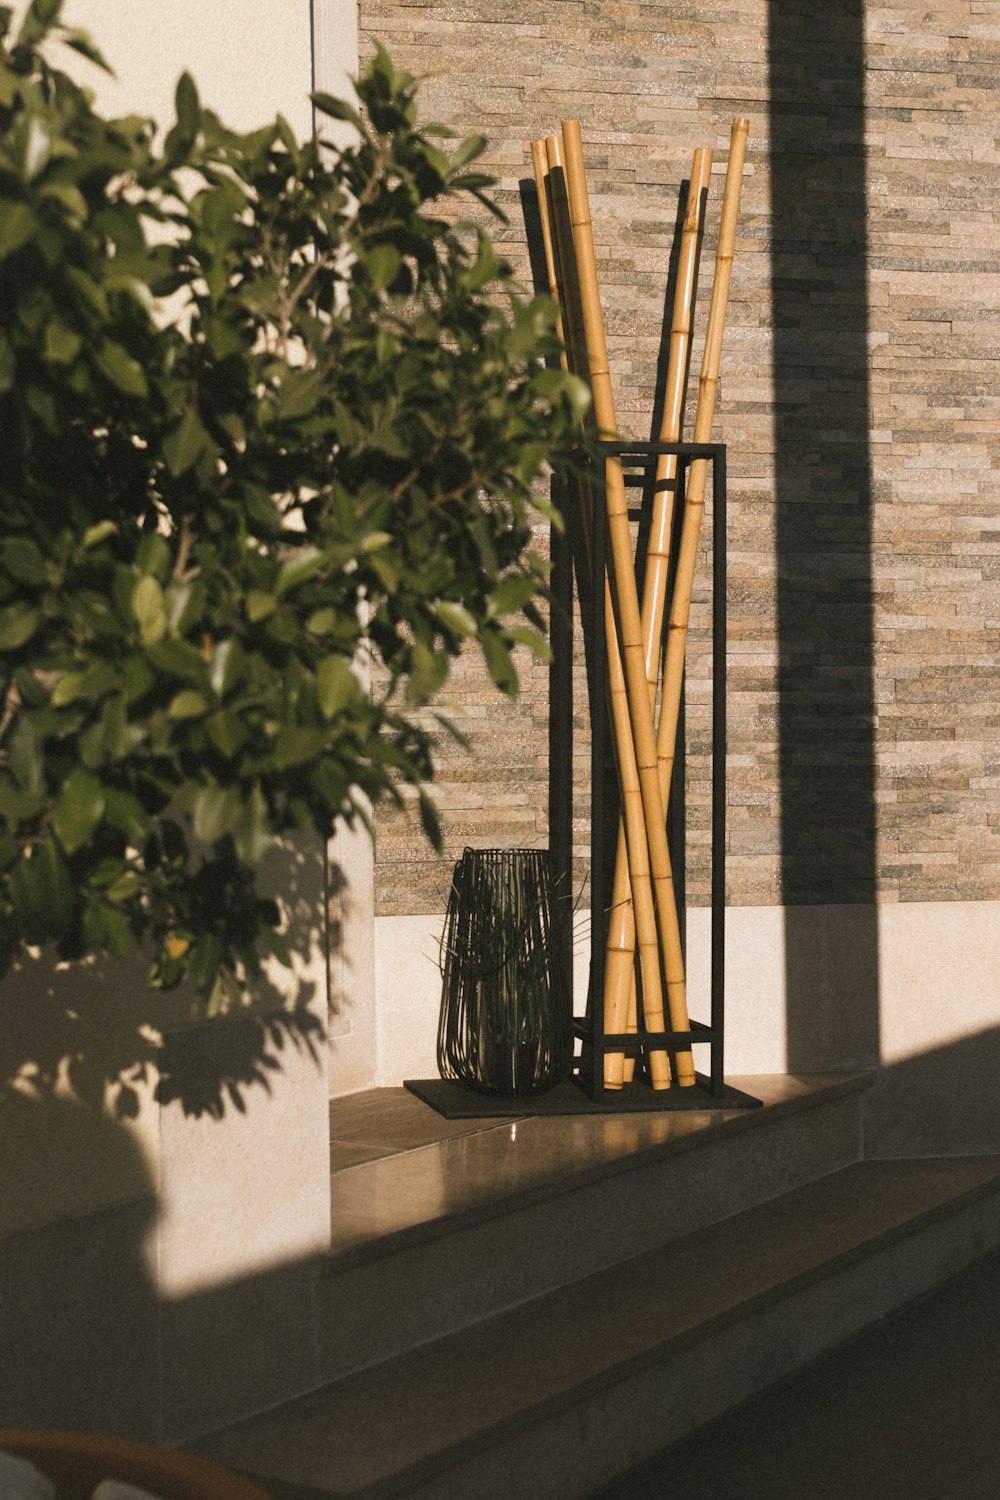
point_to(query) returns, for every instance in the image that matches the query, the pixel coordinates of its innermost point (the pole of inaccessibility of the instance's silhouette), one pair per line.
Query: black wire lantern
(506, 1019)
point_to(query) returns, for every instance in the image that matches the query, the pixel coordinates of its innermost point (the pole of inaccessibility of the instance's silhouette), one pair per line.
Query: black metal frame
(586, 1094)
(590, 1027)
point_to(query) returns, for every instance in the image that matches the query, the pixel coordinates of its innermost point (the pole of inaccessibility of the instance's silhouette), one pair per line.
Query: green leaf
(387, 573)
(226, 666)
(81, 41)
(62, 345)
(149, 609)
(8, 366)
(381, 265)
(42, 404)
(89, 291)
(43, 13)
(18, 623)
(221, 996)
(119, 735)
(9, 850)
(10, 91)
(17, 226)
(91, 683)
(206, 956)
(42, 893)
(227, 733)
(183, 447)
(153, 555)
(106, 929)
(21, 559)
(262, 510)
(126, 813)
(97, 533)
(429, 671)
(336, 684)
(295, 745)
(187, 704)
(511, 594)
(29, 143)
(78, 809)
(137, 677)
(322, 622)
(336, 109)
(187, 105)
(181, 659)
(299, 393)
(185, 603)
(501, 667)
(295, 569)
(18, 805)
(216, 810)
(455, 617)
(259, 605)
(218, 209)
(468, 150)
(121, 369)
(125, 887)
(71, 199)
(252, 833)
(535, 641)
(26, 755)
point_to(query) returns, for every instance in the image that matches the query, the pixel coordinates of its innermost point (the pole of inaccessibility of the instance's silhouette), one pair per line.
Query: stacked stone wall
(860, 401)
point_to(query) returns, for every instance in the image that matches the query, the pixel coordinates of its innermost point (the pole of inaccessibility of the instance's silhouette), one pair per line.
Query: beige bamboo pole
(654, 589)
(559, 255)
(694, 499)
(633, 717)
(620, 1003)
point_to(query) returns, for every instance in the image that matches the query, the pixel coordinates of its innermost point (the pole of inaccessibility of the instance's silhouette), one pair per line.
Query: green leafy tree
(265, 404)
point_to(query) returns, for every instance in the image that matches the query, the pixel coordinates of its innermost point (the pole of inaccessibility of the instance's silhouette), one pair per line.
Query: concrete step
(429, 1241)
(552, 1399)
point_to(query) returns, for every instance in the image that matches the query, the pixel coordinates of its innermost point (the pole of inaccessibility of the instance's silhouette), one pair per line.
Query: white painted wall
(249, 58)
(913, 986)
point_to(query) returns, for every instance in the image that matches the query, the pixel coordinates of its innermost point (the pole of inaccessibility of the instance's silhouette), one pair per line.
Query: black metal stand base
(457, 1102)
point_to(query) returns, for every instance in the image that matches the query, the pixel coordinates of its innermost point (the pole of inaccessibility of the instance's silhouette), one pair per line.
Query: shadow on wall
(823, 488)
(79, 1324)
(93, 1030)
(91, 1341)
(145, 1157)
(943, 1102)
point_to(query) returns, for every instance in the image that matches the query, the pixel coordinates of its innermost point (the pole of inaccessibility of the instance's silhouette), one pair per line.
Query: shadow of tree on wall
(824, 490)
(94, 1032)
(118, 1184)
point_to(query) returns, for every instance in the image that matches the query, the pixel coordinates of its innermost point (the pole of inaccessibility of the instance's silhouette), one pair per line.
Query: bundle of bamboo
(644, 917)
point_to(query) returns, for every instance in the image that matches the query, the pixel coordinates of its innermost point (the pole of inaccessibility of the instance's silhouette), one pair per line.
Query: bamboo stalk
(620, 1004)
(632, 714)
(687, 552)
(540, 163)
(559, 253)
(654, 589)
